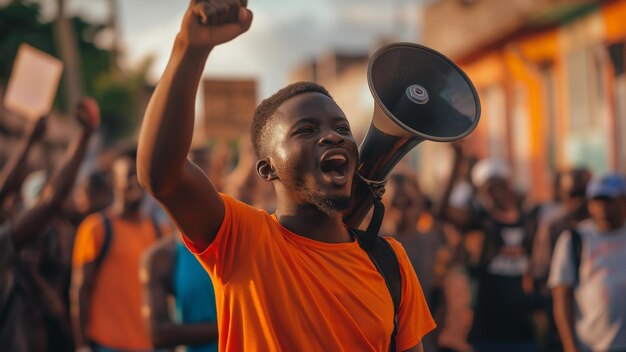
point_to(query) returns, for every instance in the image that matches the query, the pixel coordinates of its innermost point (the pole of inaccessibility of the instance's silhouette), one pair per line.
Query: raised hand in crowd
(11, 174)
(446, 211)
(30, 223)
(27, 299)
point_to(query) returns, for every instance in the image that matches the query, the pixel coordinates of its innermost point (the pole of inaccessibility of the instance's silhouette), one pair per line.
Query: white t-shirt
(600, 297)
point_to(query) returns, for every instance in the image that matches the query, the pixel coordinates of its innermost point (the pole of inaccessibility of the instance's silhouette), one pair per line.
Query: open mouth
(334, 164)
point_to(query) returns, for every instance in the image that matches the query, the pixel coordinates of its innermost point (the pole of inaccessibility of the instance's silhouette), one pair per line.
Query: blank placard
(34, 82)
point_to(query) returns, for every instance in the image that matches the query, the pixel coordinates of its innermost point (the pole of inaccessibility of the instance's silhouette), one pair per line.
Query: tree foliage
(119, 97)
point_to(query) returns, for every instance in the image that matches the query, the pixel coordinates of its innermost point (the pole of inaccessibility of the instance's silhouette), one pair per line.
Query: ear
(265, 170)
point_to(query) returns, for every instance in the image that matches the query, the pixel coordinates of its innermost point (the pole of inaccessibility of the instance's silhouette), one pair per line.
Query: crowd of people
(92, 263)
(503, 274)
(498, 274)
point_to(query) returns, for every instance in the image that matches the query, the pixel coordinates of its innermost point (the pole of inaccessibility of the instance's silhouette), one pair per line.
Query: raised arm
(30, 223)
(10, 174)
(459, 217)
(162, 166)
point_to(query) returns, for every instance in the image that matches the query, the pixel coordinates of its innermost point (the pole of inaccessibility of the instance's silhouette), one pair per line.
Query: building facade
(551, 79)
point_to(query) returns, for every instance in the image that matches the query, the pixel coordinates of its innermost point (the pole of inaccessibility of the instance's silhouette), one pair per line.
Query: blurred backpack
(108, 237)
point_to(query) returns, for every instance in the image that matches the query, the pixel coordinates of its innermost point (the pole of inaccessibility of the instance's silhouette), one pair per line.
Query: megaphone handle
(377, 187)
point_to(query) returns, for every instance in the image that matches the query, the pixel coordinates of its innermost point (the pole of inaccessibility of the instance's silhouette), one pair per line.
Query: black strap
(373, 229)
(108, 236)
(386, 262)
(577, 251)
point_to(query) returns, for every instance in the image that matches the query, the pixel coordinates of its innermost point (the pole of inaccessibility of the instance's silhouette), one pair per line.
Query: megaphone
(419, 95)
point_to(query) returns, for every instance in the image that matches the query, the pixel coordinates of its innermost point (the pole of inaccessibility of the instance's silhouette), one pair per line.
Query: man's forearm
(167, 129)
(29, 224)
(441, 212)
(564, 318)
(79, 312)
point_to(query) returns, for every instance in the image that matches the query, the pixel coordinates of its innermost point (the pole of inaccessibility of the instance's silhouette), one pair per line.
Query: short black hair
(267, 108)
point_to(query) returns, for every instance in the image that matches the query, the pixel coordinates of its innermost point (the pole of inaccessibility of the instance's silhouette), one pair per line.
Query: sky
(284, 33)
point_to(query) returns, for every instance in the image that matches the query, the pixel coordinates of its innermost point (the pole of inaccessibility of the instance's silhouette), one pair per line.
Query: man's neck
(310, 222)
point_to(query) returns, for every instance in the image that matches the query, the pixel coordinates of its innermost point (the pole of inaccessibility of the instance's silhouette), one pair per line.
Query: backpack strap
(108, 236)
(386, 262)
(577, 250)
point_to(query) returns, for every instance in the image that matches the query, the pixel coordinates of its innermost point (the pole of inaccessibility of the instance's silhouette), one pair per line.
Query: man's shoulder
(92, 227)
(586, 229)
(92, 220)
(241, 210)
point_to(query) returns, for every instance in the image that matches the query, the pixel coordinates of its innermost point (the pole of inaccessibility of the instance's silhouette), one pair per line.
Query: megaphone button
(417, 94)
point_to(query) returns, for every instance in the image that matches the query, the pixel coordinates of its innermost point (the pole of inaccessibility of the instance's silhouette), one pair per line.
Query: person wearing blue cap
(587, 275)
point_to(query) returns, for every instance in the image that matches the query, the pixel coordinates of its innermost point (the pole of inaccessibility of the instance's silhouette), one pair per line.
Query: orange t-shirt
(115, 309)
(276, 290)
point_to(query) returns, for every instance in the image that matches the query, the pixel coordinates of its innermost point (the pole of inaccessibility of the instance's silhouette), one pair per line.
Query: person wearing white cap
(503, 310)
(587, 275)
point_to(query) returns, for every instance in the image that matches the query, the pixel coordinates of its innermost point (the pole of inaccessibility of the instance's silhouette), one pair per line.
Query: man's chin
(331, 206)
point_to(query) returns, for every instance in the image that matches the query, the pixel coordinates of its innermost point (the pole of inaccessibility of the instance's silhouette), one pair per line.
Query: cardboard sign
(33, 83)
(228, 107)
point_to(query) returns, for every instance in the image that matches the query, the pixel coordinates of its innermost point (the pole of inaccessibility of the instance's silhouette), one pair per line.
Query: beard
(329, 205)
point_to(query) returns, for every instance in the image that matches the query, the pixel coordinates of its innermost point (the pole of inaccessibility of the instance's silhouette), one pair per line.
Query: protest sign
(33, 83)
(228, 107)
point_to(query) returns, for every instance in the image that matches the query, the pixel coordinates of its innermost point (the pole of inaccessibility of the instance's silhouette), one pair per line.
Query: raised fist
(208, 23)
(88, 113)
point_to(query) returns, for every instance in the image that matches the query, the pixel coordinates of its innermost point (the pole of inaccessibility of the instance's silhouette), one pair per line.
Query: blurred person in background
(460, 192)
(454, 297)
(570, 210)
(169, 270)
(92, 195)
(33, 317)
(566, 214)
(454, 294)
(504, 297)
(587, 275)
(404, 205)
(106, 292)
